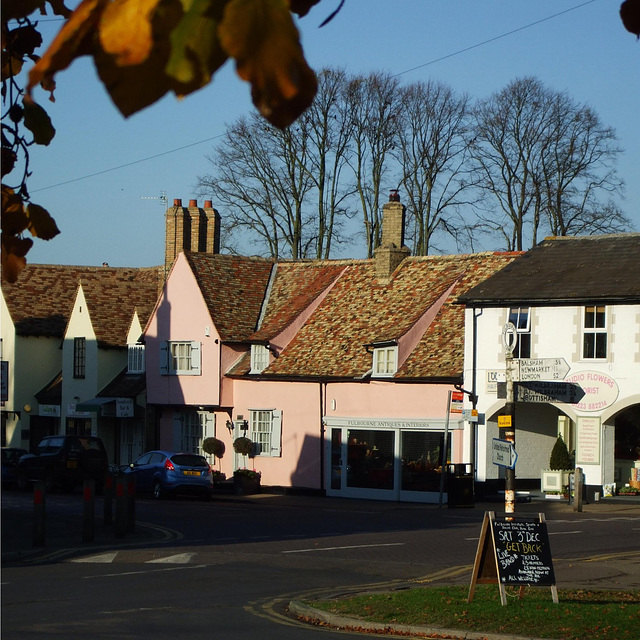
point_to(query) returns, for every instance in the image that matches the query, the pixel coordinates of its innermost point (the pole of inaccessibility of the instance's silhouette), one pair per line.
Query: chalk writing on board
(522, 552)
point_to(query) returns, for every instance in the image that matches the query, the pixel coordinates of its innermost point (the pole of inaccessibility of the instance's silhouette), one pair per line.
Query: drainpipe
(323, 402)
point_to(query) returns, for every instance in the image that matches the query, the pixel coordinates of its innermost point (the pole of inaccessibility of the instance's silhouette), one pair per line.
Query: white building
(573, 300)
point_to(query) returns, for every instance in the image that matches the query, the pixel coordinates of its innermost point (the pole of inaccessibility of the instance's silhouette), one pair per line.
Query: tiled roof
(440, 352)
(124, 385)
(603, 268)
(233, 288)
(359, 311)
(41, 300)
(51, 393)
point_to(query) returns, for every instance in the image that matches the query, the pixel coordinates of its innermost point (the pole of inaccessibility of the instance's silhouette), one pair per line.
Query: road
(228, 569)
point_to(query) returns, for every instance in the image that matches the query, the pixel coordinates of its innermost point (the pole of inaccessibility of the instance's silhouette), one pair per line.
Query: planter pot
(554, 480)
(553, 496)
(246, 486)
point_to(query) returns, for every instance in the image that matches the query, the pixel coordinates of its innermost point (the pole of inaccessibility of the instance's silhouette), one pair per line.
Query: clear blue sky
(99, 168)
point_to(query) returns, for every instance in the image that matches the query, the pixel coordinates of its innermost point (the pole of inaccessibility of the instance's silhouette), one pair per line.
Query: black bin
(459, 485)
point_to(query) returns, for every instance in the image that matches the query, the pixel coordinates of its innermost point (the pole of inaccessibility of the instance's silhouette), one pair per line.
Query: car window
(157, 458)
(55, 444)
(144, 459)
(189, 460)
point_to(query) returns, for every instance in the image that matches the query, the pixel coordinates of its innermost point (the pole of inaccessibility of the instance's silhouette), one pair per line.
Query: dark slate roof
(124, 385)
(41, 300)
(359, 311)
(568, 270)
(51, 393)
(233, 288)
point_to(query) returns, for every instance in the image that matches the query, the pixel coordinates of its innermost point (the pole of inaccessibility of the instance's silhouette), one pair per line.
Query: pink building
(338, 371)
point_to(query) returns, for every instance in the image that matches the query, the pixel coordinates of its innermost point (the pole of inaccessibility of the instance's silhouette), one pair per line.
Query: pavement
(64, 537)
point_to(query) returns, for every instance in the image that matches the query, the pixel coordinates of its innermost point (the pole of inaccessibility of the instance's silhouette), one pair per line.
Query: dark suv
(64, 462)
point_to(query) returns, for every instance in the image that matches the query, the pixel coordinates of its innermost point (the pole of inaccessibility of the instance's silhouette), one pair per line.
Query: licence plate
(72, 464)
(191, 473)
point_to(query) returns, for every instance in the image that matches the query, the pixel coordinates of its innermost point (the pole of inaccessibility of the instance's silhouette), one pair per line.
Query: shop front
(389, 459)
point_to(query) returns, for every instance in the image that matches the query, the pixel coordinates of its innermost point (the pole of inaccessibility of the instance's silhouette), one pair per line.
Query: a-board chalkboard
(522, 552)
(513, 551)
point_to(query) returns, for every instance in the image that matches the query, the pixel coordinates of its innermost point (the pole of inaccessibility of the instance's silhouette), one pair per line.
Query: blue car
(171, 472)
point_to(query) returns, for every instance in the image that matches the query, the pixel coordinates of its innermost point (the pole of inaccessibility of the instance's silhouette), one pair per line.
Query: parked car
(164, 472)
(10, 457)
(64, 462)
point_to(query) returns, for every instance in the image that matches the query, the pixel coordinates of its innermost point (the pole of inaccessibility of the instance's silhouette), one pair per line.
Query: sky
(102, 176)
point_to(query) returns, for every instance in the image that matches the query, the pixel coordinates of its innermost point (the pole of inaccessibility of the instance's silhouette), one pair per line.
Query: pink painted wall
(181, 314)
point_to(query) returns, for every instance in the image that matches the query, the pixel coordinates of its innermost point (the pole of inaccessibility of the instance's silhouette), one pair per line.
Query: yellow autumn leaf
(14, 251)
(126, 31)
(73, 40)
(262, 38)
(135, 87)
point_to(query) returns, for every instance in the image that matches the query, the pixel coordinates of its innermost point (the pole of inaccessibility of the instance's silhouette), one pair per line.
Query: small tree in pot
(556, 478)
(213, 447)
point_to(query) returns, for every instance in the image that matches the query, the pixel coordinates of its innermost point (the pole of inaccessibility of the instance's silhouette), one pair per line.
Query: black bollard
(107, 517)
(39, 508)
(88, 511)
(131, 505)
(121, 514)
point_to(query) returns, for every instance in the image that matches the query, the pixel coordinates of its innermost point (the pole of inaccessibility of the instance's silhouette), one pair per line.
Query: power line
(420, 66)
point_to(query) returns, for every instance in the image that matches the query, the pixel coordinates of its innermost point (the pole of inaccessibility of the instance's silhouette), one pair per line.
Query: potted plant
(213, 447)
(246, 481)
(243, 446)
(556, 477)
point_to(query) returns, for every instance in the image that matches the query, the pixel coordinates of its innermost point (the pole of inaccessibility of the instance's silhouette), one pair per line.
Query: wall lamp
(229, 426)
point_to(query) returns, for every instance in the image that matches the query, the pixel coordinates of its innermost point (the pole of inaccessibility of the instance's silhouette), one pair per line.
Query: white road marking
(103, 558)
(178, 558)
(357, 546)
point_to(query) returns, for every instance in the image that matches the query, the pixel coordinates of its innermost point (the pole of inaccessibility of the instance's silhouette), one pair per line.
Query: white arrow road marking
(178, 558)
(103, 558)
(359, 546)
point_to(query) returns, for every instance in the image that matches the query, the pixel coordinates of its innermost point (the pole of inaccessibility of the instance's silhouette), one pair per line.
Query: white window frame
(595, 331)
(259, 358)
(135, 358)
(522, 328)
(187, 363)
(385, 361)
(265, 429)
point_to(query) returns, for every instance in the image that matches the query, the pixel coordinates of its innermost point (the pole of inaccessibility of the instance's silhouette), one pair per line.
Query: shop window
(594, 333)
(520, 317)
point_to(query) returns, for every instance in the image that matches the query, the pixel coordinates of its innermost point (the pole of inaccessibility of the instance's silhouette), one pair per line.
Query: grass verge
(580, 614)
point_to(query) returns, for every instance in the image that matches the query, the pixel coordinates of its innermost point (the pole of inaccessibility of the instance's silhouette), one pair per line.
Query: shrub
(560, 460)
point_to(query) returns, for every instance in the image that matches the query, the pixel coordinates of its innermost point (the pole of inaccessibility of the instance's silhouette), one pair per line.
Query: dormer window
(259, 358)
(385, 360)
(135, 359)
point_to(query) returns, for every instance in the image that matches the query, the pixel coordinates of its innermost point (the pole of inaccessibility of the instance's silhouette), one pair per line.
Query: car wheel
(157, 490)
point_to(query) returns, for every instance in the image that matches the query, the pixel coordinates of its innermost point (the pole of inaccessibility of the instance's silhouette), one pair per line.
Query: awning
(94, 405)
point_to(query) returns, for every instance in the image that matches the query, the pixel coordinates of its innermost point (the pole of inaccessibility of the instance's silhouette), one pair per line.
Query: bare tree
(506, 157)
(545, 162)
(326, 127)
(578, 167)
(431, 151)
(261, 182)
(372, 104)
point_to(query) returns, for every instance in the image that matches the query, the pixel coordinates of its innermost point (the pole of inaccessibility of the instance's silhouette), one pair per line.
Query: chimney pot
(394, 196)
(208, 204)
(193, 203)
(177, 202)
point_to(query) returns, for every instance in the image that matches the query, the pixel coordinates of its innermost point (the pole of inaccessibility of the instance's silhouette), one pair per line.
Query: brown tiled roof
(603, 268)
(440, 352)
(42, 299)
(51, 393)
(233, 288)
(359, 311)
(295, 286)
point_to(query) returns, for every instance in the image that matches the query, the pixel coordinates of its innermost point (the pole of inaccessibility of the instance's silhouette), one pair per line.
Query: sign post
(534, 369)
(509, 339)
(503, 453)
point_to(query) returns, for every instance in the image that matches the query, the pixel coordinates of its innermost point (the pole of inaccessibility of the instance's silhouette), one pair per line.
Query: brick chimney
(190, 229)
(391, 251)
